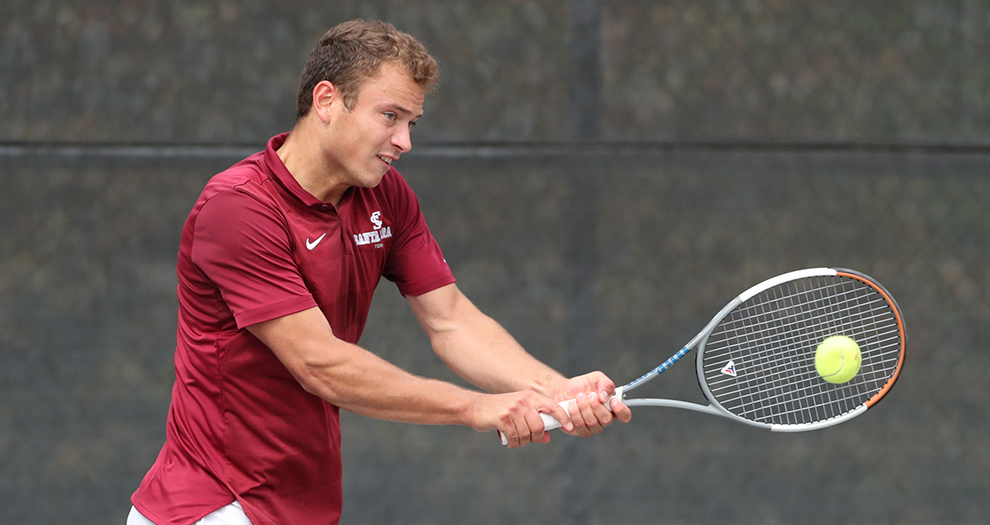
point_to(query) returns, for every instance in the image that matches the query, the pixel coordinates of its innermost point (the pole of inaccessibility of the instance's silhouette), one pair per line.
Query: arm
(477, 348)
(359, 381)
(483, 353)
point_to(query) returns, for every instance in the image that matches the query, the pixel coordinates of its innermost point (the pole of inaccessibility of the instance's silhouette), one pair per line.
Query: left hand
(588, 405)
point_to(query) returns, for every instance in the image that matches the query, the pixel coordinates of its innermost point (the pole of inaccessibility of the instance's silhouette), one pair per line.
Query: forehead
(392, 84)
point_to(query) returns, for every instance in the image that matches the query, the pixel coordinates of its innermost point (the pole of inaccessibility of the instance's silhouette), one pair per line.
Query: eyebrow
(402, 110)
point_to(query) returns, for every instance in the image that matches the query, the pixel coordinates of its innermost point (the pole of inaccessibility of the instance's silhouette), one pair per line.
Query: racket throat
(620, 394)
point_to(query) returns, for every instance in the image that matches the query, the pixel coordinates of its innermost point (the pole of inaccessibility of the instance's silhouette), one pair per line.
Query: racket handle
(550, 422)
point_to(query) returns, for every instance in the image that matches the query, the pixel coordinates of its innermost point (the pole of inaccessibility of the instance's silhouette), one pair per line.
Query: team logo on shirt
(375, 236)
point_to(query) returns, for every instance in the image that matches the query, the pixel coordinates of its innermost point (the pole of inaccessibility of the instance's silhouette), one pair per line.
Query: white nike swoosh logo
(311, 245)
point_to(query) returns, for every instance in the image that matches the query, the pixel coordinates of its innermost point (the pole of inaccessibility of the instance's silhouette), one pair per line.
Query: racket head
(756, 359)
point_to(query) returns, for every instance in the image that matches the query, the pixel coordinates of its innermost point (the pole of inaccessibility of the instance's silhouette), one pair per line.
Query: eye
(391, 116)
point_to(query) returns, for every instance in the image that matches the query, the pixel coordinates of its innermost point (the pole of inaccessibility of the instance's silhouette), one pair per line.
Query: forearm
(359, 381)
(477, 348)
(363, 383)
(483, 353)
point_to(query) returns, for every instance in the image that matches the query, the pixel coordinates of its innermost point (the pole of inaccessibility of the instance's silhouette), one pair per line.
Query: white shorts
(229, 515)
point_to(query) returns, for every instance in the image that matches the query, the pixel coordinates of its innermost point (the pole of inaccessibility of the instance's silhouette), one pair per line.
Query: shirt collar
(277, 168)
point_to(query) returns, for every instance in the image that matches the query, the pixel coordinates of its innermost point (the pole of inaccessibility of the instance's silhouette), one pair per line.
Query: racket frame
(698, 344)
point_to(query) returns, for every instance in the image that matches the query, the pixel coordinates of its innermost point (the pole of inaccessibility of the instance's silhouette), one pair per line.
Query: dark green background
(602, 179)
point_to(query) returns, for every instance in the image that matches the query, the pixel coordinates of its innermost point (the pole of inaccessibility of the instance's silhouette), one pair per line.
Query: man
(277, 265)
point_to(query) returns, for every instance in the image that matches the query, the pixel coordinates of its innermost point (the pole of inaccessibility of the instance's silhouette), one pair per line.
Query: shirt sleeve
(242, 244)
(415, 264)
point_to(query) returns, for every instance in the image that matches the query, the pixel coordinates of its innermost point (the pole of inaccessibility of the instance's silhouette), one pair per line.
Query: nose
(401, 139)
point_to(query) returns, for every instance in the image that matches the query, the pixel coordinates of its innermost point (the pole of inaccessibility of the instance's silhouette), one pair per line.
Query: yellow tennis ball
(837, 359)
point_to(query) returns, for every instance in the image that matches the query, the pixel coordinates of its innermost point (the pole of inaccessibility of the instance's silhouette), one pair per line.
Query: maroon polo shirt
(256, 247)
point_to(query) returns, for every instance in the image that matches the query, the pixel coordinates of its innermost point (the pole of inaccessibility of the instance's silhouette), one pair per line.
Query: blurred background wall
(602, 176)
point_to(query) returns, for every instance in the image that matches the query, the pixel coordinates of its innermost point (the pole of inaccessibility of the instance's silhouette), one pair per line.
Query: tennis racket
(756, 358)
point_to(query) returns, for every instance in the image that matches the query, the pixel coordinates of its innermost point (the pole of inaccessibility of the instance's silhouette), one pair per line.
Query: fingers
(589, 414)
(517, 432)
(594, 406)
(559, 412)
(600, 383)
(521, 423)
(520, 435)
(620, 410)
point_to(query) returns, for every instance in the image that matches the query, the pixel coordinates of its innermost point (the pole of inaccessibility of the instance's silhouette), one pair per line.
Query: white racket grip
(549, 422)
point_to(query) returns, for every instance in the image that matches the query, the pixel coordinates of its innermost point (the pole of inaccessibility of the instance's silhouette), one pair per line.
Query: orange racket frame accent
(900, 328)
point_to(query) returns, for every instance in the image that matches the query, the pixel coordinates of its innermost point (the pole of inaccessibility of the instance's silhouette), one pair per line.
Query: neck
(301, 155)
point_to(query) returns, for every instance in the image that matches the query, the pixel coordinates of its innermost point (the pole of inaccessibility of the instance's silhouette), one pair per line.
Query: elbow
(310, 384)
(443, 348)
(312, 377)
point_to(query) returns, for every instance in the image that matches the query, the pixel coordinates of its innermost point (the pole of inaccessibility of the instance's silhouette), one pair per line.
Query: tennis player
(278, 262)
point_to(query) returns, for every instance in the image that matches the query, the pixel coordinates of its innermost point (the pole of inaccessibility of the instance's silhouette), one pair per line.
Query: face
(363, 142)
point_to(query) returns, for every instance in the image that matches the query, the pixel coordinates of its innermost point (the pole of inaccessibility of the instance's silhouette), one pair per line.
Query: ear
(325, 95)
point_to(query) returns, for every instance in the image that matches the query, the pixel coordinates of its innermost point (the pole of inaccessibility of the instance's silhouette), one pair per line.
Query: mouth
(386, 160)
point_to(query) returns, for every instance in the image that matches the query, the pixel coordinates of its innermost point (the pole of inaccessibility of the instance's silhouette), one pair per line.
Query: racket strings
(776, 399)
(771, 341)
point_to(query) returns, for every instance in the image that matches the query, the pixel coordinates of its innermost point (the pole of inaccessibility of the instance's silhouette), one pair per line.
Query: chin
(373, 181)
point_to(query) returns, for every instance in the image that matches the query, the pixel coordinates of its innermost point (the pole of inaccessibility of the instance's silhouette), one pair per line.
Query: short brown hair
(353, 51)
